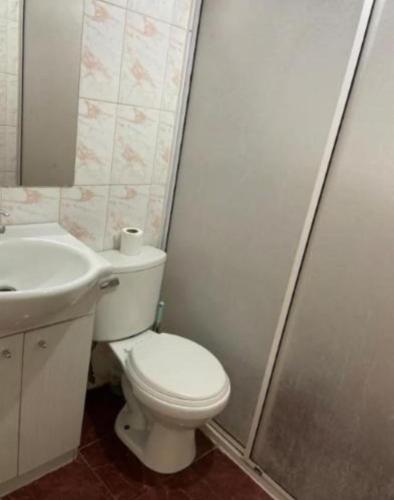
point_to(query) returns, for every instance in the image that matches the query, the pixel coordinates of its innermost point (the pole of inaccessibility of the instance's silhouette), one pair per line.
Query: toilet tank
(130, 308)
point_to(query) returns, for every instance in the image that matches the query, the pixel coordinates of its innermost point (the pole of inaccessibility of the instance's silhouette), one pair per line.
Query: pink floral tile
(31, 205)
(135, 142)
(102, 50)
(96, 127)
(118, 3)
(144, 60)
(129, 145)
(175, 69)
(9, 9)
(9, 46)
(13, 37)
(182, 13)
(83, 212)
(127, 207)
(160, 9)
(164, 147)
(155, 216)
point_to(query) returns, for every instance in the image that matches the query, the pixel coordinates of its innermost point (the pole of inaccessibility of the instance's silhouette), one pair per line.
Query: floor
(106, 470)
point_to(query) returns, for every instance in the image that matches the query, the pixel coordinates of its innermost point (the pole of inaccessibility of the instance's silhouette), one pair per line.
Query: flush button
(42, 344)
(6, 354)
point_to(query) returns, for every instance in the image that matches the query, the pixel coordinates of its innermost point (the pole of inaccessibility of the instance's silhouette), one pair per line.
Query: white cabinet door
(10, 387)
(55, 369)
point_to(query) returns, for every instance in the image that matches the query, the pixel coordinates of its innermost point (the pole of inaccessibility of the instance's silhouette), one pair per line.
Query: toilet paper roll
(131, 240)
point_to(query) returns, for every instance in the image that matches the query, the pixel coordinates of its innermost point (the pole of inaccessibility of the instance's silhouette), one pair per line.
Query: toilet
(172, 385)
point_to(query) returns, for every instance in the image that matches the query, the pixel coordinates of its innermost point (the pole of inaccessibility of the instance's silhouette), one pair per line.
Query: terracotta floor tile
(203, 444)
(119, 469)
(226, 479)
(22, 494)
(107, 470)
(197, 489)
(251, 491)
(189, 487)
(163, 493)
(101, 409)
(121, 483)
(106, 450)
(72, 482)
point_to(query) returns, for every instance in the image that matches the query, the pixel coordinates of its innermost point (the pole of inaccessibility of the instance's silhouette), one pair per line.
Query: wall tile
(3, 45)
(3, 98)
(7, 178)
(12, 47)
(182, 13)
(7, 148)
(164, 147)
(144, 60)
(83, 213)
(126, 122)
(174, 70)
(9, 43)
(119, 3)
(13, 9)
(9, 68)
(9, 9)
(102, 50)
(96, 127)
(160, 9)
(127, 207)
(155, 216)
(135, 141)
(31, 205)
(3, 9)
(12, 100)
(8, 99)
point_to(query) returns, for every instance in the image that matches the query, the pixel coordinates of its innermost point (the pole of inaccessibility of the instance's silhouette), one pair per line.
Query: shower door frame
(242, 455)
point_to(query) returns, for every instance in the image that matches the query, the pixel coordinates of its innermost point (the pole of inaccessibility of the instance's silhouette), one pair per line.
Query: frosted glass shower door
(327, 429)
(265, 86)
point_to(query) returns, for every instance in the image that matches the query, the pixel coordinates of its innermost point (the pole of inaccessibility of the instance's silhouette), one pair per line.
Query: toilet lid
(177, 367)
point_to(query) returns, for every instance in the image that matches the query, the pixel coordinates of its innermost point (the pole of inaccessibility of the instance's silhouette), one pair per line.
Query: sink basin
(31, 267)
(45, 272)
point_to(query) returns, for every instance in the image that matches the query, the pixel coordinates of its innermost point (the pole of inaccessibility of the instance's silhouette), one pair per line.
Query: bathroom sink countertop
(44, 271)
(50, 232)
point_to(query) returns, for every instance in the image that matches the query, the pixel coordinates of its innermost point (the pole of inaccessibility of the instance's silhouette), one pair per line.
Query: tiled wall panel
(132, 68)
(9, 49)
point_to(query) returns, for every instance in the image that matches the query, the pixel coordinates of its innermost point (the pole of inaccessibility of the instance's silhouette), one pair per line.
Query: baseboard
(20, 481)
(234, 451)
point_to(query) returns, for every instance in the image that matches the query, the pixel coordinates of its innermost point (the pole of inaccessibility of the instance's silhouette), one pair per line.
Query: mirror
(40, 58)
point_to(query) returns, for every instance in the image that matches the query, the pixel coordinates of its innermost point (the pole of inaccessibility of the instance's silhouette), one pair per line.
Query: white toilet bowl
(172, 386)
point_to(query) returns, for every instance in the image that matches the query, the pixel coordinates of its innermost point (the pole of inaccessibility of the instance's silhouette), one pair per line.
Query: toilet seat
(176, 371)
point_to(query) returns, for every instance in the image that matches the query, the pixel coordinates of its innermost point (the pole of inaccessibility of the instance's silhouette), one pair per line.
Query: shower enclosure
(281, 253)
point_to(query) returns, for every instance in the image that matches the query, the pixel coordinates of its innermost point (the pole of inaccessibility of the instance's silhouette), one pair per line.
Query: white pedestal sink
(46, 275)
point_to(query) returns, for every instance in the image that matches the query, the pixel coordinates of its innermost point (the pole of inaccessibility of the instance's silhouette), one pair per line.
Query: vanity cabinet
(55, 366)
(43, 376)
(11, 349)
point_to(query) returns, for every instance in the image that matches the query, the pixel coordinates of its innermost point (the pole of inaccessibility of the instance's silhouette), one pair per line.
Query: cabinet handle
(42, 344)
(6, 354)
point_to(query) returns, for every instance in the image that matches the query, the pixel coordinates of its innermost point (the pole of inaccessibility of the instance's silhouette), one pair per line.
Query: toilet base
(161, 448)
